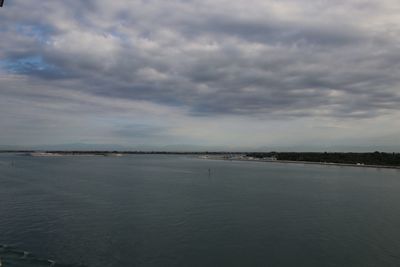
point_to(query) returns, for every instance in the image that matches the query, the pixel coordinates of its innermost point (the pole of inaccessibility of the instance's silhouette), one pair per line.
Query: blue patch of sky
(34, 65)
(41, 33)
(122, 38)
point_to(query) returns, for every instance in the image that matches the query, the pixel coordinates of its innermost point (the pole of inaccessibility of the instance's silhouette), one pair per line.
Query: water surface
(150, 210)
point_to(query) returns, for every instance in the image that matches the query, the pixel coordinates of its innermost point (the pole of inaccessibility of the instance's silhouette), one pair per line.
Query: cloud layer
(160, 72)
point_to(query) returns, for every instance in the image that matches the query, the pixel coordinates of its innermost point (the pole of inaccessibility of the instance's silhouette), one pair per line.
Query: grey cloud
(277, 32)
(213, 63)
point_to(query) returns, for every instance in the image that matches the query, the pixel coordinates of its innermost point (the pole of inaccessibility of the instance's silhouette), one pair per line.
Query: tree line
(374, 158)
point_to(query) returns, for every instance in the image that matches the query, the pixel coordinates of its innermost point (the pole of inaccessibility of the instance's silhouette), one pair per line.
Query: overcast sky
(215, 73)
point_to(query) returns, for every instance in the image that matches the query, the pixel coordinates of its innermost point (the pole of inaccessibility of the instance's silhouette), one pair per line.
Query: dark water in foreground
(166, 211)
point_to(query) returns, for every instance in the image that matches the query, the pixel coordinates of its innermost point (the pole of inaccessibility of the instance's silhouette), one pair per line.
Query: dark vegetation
(375, 158)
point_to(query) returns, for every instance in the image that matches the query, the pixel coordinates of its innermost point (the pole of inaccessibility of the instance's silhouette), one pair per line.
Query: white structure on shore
(270, 158)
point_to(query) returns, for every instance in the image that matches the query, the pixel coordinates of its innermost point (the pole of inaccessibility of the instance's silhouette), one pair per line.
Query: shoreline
(307, 163)
(57, 154)
(234, 156)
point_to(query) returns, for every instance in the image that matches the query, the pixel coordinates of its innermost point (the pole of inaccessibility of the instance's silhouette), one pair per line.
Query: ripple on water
(10, 257)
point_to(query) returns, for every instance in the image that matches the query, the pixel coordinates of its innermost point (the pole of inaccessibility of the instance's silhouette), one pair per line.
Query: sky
(206, 74)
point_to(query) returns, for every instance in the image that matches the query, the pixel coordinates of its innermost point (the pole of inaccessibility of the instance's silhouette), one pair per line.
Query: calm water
(167, 211)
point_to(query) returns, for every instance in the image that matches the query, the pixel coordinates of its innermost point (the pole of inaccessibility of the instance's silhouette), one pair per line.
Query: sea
(180, 210)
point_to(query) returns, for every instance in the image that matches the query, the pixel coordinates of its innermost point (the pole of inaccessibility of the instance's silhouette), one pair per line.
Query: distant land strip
(308, 162)
(371, 159)
(359, 159)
